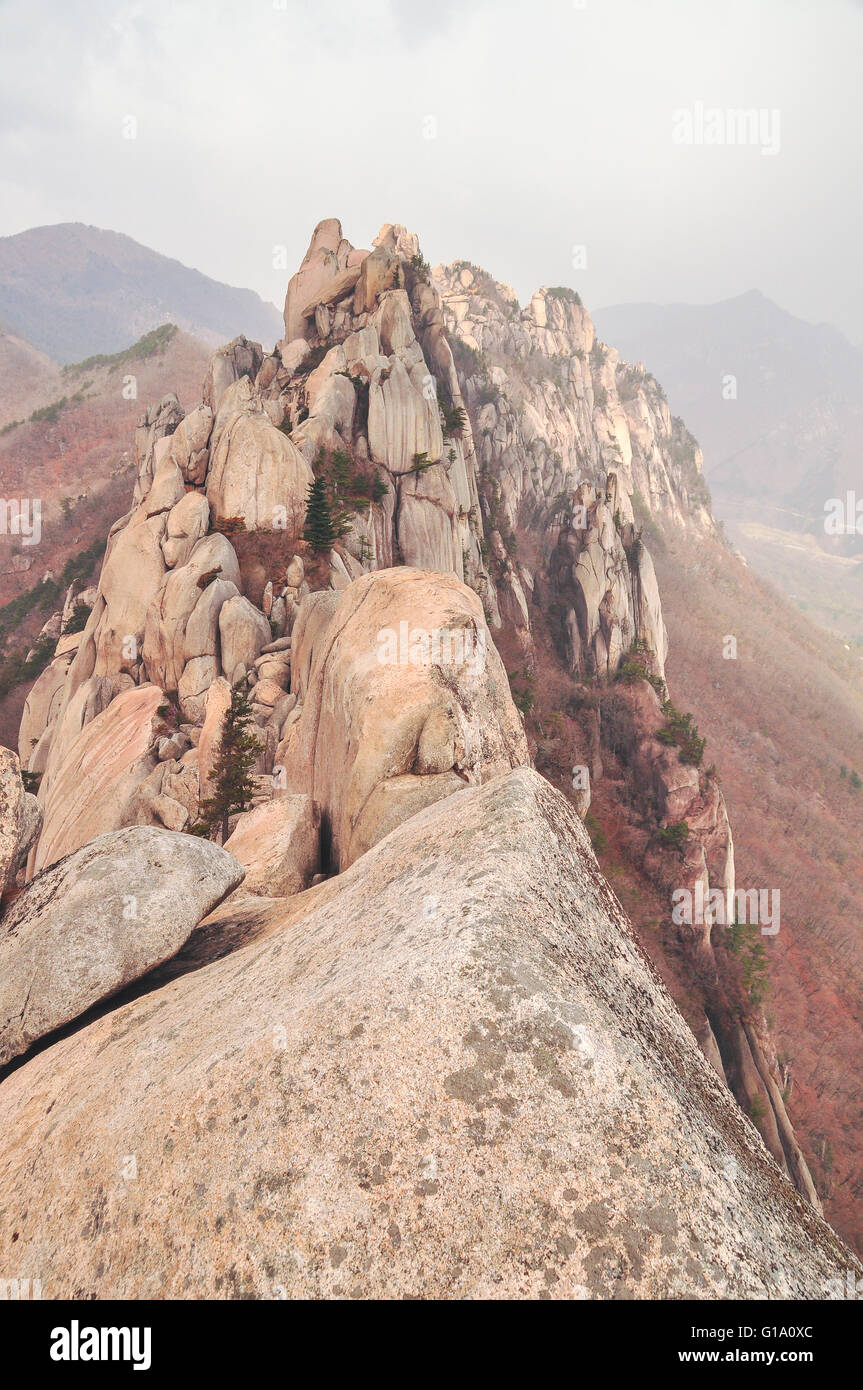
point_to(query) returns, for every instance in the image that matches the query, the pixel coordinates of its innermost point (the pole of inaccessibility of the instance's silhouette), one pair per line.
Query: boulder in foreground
(97, 920)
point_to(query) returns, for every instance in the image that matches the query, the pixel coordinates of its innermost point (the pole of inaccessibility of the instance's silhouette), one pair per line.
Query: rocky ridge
(538, 428)
(451, 424)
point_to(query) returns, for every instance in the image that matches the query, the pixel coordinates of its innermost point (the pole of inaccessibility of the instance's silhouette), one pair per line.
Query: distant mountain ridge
(779, 441)
(787, 441)
(72, 290)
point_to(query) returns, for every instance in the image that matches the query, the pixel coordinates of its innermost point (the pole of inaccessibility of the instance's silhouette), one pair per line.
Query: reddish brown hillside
(784, 723)
(77, 459)
(27, 378)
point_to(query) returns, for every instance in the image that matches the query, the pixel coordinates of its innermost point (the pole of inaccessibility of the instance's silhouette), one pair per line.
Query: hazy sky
(507, 134)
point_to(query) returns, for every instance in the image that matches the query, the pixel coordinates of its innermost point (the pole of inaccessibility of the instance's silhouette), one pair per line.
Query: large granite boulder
(93, 786)
(279, 846)
(406, 697)
(243, 632)
(97, 920)
(255, 471)
(322, 274)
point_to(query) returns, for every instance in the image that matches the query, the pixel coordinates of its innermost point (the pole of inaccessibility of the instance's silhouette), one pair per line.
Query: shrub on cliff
(681, 732)
(232, 782)
(319, 530)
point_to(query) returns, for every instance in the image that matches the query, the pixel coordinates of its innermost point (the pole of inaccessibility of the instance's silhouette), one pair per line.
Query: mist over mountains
(776, 403)
(71, 290)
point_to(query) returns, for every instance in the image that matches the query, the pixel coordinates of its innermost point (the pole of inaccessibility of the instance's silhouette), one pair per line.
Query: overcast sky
(507, 134)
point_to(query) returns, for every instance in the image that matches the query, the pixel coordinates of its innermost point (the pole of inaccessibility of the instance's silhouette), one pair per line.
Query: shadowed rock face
(11, 813)
(448, 1073)
(605, 585)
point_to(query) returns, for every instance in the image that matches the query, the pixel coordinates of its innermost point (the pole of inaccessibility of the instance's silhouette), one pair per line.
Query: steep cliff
(580, 462)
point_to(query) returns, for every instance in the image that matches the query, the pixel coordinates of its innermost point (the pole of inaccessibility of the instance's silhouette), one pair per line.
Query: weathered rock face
(326, 271)
(157, 423)
(94, 787)
(243, 632)
(134, 569)
(406, 697)
(187, 523)
(11, 813)
(20, 822)
(217, 704)
(41, 707)
(278, 845)
(31, 829)
(556, 408)
(237, 359)
(167, 619)
(97, 920)
(374, 323)
(255, 471)
(189, 443)
(605, 589)
(402, 422)
(453, 1076)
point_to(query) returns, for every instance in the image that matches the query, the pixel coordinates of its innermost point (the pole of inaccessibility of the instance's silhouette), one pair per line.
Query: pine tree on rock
(319, 529)
(231, 778)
